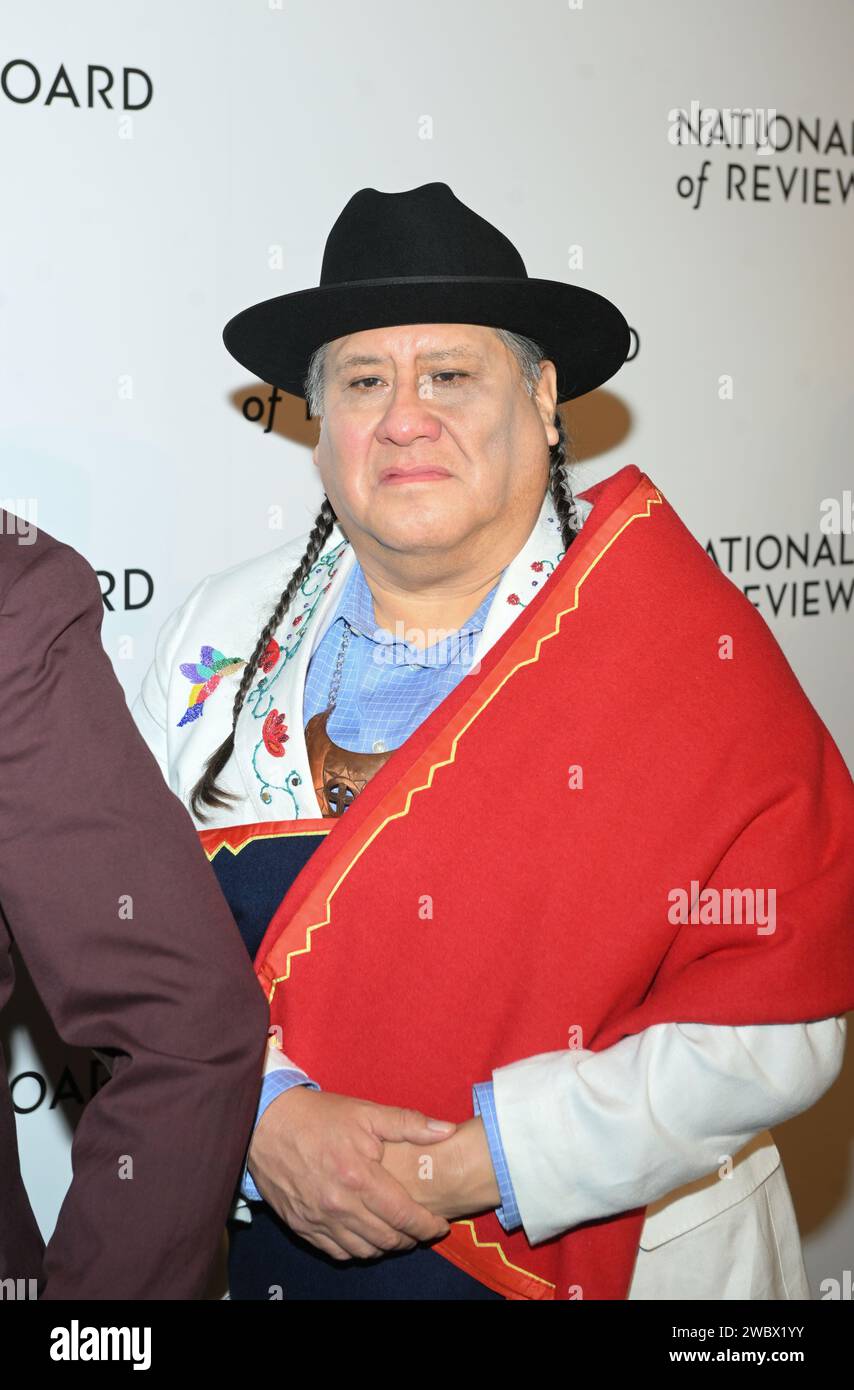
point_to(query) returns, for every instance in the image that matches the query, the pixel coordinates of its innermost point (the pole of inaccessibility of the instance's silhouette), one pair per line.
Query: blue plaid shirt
(388, 688)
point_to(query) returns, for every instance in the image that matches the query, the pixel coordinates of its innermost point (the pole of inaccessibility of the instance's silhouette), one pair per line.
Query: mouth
(413, 475)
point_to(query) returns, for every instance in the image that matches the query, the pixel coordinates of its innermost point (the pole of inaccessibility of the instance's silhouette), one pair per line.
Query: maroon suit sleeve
(130, 942)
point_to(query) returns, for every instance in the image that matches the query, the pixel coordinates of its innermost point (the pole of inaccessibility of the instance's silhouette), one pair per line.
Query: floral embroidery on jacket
(206, 675)
(538, 566)
(270, 656)
(259, 700)
(274, 733)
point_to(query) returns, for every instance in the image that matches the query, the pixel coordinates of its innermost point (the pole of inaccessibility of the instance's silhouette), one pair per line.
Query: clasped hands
(361, 1180)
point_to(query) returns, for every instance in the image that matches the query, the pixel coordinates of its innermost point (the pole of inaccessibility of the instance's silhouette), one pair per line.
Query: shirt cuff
(483, 1100)
(274, 1084)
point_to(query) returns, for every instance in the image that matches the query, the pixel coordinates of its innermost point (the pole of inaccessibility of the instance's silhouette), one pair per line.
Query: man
(105, 892)
(497, 863)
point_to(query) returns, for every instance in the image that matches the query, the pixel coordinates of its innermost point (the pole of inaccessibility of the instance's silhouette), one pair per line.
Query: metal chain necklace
(338, 774)
(339, 667)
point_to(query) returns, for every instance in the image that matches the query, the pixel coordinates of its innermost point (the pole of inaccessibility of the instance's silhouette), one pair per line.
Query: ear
(545, 397)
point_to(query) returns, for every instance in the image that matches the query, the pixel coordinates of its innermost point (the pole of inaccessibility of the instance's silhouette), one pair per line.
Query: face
(429, 439)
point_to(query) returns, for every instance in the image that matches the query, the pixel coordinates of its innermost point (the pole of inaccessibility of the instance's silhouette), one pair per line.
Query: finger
(355, 1245)
(424, 1225)
(401, 1123)
(350, 1220)
(326, 1244)
(390, 1201)
(332, 1243)
(383, 1236)
(338, 1240)
(355, 1233)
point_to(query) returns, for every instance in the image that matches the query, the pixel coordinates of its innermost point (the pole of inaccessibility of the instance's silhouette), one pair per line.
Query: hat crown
(420, 232)
(422, 256)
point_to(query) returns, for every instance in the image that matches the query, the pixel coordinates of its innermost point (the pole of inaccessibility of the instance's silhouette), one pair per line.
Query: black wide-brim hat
(422, 256)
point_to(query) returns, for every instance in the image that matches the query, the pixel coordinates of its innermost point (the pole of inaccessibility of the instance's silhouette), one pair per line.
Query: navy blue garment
(257, 878)
(266, 1254)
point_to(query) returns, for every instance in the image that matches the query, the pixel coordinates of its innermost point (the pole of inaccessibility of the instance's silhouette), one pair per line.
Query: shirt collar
(356, 604)
(356, 607)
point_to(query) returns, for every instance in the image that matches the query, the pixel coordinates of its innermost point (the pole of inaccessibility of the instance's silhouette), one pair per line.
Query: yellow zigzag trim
(397, 815)
(250, 839)
(493, 1245)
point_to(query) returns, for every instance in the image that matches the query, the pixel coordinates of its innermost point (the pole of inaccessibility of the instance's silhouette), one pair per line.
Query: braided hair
(206, 792)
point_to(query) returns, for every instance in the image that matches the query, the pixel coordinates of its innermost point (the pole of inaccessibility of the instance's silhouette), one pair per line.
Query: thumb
(400, 1123)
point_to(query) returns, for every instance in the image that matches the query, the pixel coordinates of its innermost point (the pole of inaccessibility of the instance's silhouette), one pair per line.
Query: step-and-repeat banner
(166, 165)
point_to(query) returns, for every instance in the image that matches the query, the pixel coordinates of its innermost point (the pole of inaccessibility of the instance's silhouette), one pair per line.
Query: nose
(408, 414)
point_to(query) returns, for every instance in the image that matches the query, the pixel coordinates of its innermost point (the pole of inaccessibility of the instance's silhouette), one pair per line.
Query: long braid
(560, 455)
(206, 792)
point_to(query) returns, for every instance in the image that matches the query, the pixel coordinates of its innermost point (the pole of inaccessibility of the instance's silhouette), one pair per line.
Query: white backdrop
(133, 231)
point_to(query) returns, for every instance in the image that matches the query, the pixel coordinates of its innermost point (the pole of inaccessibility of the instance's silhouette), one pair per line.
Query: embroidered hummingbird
(206, 675)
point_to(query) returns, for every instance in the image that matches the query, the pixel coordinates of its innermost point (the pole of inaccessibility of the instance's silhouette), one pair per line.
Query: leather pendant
(337, 774)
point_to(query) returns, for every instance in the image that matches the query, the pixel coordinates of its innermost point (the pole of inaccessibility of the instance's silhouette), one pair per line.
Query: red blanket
(695, 867)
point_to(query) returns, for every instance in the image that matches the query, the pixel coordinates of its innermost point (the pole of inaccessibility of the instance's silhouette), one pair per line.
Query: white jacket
(650, 1120)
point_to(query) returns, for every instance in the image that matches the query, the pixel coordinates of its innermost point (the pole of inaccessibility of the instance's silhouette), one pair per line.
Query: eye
(360, 381)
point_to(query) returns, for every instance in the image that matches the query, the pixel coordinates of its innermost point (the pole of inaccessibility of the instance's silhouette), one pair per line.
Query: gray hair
(527, 353)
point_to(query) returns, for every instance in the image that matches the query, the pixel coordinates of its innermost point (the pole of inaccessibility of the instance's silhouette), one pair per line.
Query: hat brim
(584, 334)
